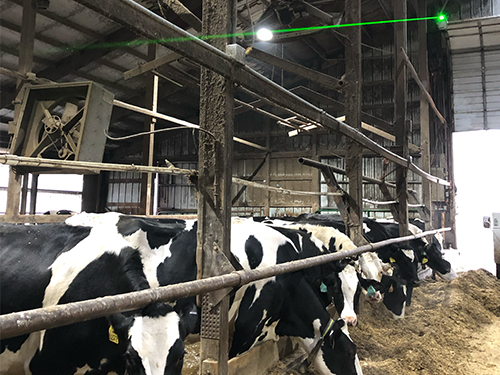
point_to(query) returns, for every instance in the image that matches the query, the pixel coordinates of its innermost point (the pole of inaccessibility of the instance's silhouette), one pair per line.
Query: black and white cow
(428, 254)
(376, 277)
(339, 281)
(107, 254)
(45, 265)
(286, 305)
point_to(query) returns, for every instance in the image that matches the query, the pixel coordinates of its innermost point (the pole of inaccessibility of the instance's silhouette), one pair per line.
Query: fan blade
(73, 121)
(70, 111)
(44, 143)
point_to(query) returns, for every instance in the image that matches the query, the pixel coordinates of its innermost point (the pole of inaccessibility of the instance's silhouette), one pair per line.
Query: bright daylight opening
(477, 180)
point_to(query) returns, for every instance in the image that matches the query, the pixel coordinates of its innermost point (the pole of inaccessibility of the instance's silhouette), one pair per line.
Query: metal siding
(492, 61)
(467, 89)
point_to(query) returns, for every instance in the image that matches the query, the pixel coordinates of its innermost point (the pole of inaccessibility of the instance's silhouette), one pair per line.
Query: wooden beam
(17, 53)
(25, 66)
(215, 157)
(148, 142)
(353, 95)
(55, 43)
(400, 124)
(189, 17)
(21, 161)
(424, 112)
(82, 58)
(327, 18)
(313, 75)
(150, 65)
(239, 181)
(178, 121)
(423, 90)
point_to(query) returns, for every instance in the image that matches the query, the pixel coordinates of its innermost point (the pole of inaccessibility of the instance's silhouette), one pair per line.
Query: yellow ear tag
(425, 260)
(392, 260)
(113, 337)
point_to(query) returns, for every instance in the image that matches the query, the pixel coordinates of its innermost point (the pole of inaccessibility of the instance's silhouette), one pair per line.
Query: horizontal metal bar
(22, 161)
(239, 181)
(19, 323)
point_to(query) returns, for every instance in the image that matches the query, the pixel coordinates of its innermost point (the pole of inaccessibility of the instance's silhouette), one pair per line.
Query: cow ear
(119, 324)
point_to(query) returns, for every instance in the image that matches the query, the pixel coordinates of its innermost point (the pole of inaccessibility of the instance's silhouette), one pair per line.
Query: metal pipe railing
(19, 323)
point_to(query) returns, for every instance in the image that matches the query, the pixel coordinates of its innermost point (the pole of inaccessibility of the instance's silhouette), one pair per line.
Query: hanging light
(264, 34)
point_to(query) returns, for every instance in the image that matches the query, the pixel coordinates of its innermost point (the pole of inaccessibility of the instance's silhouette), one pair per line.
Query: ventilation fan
(63, 121)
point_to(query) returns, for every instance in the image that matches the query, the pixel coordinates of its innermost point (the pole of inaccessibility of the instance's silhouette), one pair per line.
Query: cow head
(152, 341)
(338, 352)
(433, 258)
(394, 292)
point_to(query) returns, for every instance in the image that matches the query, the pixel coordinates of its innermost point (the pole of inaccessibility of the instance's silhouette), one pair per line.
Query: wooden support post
(267, 170)
(34, 192)
(352, 93)
(25, 66)
(24, 194)
(424, 112)
(400, 123)
(90, 193)
(316, 181)
(214, 185)
(151, 100)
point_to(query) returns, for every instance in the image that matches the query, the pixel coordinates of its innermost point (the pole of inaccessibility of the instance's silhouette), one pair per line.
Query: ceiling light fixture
(264, 34)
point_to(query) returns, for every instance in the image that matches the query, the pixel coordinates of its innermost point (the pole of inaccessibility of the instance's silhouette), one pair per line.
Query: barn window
(175, 193)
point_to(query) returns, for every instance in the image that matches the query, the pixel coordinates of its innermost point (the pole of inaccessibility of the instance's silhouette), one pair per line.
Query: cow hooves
(498, 270)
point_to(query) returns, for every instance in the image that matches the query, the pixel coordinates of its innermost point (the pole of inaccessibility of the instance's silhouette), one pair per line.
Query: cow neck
(316, 348)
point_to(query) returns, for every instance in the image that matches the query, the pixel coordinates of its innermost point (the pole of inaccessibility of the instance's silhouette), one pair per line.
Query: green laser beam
(440, 17)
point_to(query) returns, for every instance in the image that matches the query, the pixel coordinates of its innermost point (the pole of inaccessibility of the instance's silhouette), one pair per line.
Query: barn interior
(74, 42)
(178, 107)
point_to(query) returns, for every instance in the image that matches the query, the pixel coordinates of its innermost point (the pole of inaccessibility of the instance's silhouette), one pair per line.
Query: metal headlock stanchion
(19, 323)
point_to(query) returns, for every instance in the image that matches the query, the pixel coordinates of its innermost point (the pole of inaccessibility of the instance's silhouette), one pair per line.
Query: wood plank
(180, 9)
(256, 361)
(313, 75)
